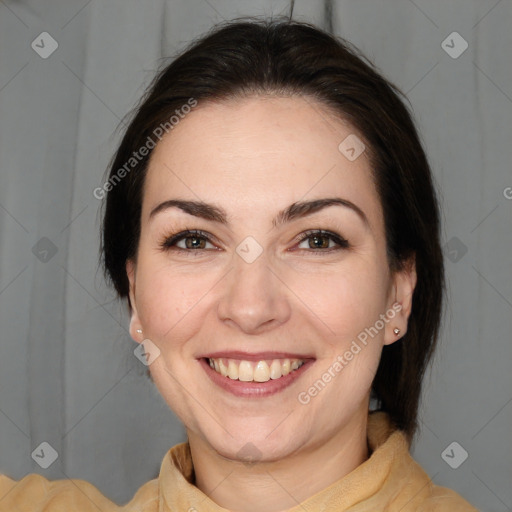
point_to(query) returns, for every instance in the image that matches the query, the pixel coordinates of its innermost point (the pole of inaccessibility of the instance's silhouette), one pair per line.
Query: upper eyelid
(341, 240)
(319, 231)
(181, 235)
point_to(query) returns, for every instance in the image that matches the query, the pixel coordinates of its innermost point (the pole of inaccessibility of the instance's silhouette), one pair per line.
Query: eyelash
(169, 242)
(341, 242)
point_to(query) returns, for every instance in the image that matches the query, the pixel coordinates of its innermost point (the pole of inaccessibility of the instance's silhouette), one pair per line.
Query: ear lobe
(404, 284)
(134, 319)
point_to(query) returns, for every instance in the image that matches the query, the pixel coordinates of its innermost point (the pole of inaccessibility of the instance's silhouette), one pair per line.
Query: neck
(279, 485)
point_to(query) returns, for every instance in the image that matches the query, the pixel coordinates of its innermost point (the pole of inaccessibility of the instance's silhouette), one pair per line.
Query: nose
(253, 299)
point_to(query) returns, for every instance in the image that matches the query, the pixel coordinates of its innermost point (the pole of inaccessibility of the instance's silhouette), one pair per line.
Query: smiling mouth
(254, 371)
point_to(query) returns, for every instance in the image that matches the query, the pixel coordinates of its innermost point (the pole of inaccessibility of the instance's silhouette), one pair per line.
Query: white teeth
(275, 369)
(233, 370)
(223, 368)
(260, 371)
(245, 371)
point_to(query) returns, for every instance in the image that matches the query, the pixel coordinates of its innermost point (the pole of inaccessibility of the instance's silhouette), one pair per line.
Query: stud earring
(396, 330)
(139, 331)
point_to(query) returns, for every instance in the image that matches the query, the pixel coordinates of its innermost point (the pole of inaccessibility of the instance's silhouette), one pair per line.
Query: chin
(256, 443)
(251, 452)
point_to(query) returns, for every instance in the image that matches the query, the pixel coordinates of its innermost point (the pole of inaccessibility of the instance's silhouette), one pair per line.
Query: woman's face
(257, 291)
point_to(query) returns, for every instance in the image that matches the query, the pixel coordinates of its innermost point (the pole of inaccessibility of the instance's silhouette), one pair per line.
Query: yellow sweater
(389, 481)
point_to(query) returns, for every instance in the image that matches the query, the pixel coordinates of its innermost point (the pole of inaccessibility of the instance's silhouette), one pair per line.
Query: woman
(272, 222)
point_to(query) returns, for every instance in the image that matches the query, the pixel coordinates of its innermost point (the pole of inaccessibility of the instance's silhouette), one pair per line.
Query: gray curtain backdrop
(68, 376)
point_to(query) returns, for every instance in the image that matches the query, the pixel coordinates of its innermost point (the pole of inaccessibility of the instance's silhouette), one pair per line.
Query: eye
(326, 241)
(188, 240)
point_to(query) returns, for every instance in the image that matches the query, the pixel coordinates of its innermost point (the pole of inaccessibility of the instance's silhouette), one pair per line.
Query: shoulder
(442, 499)
(405, 486)
(422, 495)
(36, 493)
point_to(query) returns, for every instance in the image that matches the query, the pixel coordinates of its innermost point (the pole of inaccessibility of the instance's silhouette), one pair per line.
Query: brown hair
(248, 57)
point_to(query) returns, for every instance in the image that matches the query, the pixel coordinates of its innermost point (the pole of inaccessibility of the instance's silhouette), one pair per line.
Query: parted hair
(247, 57)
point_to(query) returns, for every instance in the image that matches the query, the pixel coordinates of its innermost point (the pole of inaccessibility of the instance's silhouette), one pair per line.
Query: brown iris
(319, 242)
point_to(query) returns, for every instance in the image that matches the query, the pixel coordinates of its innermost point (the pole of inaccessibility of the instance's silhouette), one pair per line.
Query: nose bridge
(252, 296)
(251, 282)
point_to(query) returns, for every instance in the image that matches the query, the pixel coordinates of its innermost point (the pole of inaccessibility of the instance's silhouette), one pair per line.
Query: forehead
(257, 154)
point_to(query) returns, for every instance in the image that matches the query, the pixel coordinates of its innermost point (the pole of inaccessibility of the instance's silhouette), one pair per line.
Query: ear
(134, 320)
(400, 301)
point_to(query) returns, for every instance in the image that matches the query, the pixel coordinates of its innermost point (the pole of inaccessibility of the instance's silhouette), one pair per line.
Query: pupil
(320, 242)
(193, 242)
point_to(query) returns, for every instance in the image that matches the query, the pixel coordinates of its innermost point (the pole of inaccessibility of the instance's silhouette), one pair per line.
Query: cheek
(347, 301)
(166, 299)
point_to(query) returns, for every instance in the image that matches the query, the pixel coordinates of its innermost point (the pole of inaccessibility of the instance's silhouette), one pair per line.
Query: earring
(396, 330)
(139, 331)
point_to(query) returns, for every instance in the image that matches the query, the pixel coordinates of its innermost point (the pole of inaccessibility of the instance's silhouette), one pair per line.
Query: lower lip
(254, 389)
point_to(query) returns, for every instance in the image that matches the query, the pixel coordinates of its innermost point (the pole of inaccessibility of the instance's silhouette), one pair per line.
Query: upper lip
(255, 356)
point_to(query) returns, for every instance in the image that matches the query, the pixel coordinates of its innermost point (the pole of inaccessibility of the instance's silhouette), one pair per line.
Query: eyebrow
(294, 211)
